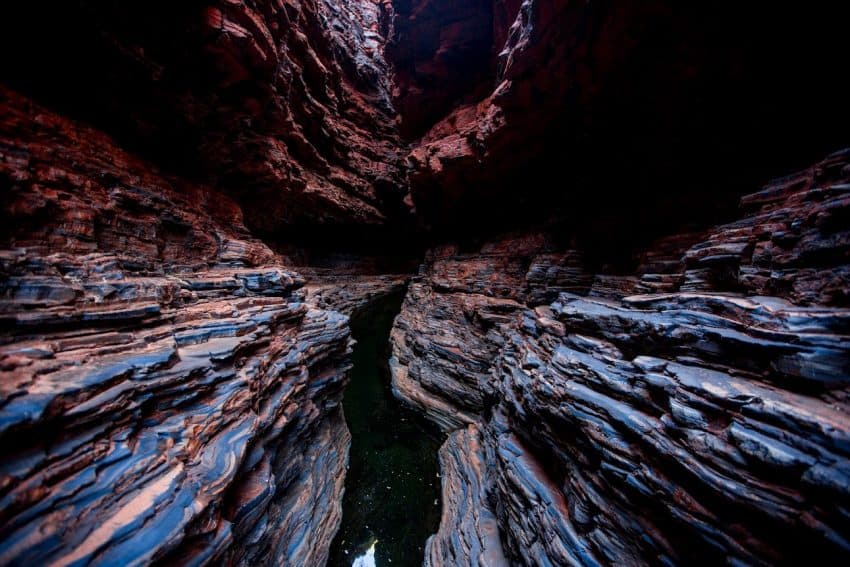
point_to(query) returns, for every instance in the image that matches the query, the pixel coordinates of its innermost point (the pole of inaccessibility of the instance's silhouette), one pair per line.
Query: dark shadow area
(392, 489)
(621, 121)
(377, 249)
(128, 69)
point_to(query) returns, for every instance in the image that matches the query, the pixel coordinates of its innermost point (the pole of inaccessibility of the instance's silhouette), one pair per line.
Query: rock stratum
(168, 391)
(556, 108)
(693, 411)
(634, 358)
(283, 105)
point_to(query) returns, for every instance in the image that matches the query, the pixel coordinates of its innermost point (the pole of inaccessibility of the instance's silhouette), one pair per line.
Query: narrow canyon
(424, 282)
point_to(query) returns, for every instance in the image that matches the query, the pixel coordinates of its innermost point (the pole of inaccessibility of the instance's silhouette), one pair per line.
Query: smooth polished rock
(469, 533)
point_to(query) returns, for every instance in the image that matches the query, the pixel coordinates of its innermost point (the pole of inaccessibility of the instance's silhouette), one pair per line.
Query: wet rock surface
(694, 410)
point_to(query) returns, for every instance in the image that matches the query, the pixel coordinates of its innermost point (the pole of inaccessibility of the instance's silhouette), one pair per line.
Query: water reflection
(392, 485)
(367, 559)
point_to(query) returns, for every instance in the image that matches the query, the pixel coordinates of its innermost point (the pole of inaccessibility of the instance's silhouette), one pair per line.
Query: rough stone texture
(284, 104)
(350, 293)
(168, 393)
(695, 410)
(441, 54)
(169, 390)
(607, 106)
(70, 191)
(469, 533)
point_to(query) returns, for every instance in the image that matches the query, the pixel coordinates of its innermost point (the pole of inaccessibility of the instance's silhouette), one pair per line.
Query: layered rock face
(635, 379)
(441, 53)
(610, 107)
(283, 105)
(693, 410)
(168, 392)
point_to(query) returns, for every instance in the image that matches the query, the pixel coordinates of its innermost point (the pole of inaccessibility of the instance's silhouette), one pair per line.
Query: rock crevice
(169, 392)
(632, 363)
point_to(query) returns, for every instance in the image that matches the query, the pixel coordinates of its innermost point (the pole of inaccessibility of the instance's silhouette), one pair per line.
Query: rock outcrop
(695, 410)
(350, 293)
(609, 107)
(285, 106)
(625, 375)
(168, 391)
(469, 532)
(441, 54)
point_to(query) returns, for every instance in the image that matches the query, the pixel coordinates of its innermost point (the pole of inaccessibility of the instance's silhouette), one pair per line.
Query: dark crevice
(392, 488)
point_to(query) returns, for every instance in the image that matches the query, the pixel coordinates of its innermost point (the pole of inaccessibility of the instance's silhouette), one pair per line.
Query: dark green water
(392, 489)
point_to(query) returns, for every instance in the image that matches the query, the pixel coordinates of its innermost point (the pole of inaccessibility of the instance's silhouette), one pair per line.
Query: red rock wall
(647, 375)
(694, 410)
(626, 110)
(168, 392)
(442, 54)
(283, 105)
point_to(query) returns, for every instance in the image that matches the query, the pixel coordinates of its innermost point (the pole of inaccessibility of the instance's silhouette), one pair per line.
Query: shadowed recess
(392, 485)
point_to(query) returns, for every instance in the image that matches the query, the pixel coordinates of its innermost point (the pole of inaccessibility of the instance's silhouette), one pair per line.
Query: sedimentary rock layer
(693, 410)
(168, 392)
(349, 293)
(519, 108)
(469, 533)
(284, 105)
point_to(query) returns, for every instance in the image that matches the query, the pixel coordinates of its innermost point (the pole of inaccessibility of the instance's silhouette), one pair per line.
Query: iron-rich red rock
(168, 391)
(613, 108)
(469, 533)
(635, 372)
(692, 411)
(283, 105)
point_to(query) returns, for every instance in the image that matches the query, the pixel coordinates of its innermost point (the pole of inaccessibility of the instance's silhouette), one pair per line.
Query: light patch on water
(367, 559)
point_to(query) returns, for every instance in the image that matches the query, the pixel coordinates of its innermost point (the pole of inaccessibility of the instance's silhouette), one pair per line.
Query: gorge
(584, 265)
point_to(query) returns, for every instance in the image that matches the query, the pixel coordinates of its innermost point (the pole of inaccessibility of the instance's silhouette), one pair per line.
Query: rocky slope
(694, 410)
(168, 392)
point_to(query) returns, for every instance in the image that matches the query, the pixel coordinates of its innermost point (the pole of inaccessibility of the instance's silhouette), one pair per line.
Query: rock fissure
(633, 355)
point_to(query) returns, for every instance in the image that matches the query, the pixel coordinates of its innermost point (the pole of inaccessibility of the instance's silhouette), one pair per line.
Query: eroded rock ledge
(695, 410)
(168, 391)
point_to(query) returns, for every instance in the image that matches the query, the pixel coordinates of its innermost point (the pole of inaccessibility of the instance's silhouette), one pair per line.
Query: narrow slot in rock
(392, 489)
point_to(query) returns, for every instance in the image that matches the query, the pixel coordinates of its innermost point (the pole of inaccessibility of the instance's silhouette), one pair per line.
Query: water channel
(392, 490)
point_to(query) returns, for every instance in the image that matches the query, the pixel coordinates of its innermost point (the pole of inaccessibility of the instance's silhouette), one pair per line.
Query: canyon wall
(634, 112)
(169, 394)
(282, 105)
(169, 388)
(632, 364)
(695, 410)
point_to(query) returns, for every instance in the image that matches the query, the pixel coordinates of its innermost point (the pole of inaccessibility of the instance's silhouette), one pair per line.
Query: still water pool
(392, 489)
